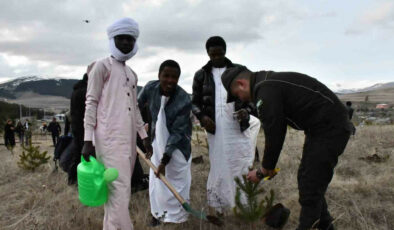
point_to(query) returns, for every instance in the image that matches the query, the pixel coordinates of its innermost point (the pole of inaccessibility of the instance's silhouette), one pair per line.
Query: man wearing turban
(112, 119)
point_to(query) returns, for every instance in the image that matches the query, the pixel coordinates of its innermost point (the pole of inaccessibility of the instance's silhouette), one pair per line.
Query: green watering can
(92, 181)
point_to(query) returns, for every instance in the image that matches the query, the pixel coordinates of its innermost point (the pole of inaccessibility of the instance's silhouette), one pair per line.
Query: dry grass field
(361, 195)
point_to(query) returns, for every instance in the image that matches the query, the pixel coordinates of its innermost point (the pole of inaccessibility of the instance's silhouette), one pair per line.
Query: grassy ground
(361, 195)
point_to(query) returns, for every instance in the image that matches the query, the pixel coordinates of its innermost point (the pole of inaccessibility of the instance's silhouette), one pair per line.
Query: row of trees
(12, 111)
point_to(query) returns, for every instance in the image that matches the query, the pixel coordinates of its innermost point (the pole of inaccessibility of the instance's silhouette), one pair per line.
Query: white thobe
(230, 151)
(112, 119)
(164, 205)
(253, 131)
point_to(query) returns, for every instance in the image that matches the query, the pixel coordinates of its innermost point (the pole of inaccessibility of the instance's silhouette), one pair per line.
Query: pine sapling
(253, 209)
(31, 157)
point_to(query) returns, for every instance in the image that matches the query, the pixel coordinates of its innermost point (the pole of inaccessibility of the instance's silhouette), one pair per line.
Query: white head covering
(123, 26)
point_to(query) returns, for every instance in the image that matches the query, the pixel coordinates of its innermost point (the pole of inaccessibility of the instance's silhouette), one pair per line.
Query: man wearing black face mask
(230, 149)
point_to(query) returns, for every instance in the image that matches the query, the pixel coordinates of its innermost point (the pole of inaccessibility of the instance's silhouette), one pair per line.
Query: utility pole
(20, 112)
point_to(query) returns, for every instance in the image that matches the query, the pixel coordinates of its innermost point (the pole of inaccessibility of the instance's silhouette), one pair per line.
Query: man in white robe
(170, 110)
(230, 147)
(112, 119)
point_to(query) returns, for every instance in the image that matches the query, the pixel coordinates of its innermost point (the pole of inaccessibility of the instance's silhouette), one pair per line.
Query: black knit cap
(227, 78)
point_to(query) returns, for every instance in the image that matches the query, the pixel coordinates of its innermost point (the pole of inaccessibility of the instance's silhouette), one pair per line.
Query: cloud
(50, 38)
(380, 16)
(55, 31)
(182, 25)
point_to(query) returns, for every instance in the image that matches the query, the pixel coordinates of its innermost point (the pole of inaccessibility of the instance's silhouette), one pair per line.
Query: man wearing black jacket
(55, 129)
(226, 136)
(77, 112)
(302, 102)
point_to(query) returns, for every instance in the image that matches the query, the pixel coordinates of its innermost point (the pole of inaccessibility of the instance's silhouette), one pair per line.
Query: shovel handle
(162, 178)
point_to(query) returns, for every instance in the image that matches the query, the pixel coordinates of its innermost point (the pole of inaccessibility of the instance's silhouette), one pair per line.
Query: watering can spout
(110, 174)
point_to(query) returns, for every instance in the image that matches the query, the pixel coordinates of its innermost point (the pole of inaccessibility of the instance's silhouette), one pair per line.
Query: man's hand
(252, 176)
(258, 174)
(148, 147)
(208, 124)
(268, 172)
(161, 170)
(241, 115)
(88, 150)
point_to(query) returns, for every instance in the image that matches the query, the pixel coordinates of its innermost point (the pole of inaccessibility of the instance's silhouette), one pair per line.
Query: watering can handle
(91, 158)
(162, 178)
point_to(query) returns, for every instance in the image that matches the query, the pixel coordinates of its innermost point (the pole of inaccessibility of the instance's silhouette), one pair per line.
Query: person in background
(67, 124)
(20, 130)
(140, 180)
(28, 132)
(55, 129)
(77, 113)
(9, 135)
(350, 111)
(44, 127)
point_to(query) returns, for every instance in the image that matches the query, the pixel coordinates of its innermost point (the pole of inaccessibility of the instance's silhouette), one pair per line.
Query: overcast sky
(344, 44)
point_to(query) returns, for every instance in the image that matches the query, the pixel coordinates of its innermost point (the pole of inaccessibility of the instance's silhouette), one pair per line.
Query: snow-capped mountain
(13, 84)
(39, 85)
(377, 86)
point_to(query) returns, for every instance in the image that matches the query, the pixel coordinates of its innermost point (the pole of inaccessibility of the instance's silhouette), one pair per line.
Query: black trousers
(21, 138)
(319, 158)
(9, 141)
(55, 138)
(76, 159)
(138, 173)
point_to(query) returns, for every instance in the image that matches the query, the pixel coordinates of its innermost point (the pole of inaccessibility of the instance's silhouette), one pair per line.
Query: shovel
(199, 214)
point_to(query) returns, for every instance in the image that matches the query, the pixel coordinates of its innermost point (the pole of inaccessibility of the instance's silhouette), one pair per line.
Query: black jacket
(9, 130)
(20, 130)
(77, 109)
(54, 128)
(350, 112)
(203, 97)
(297, 100)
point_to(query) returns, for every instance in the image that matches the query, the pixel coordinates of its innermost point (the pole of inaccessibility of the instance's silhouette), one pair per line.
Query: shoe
(325, 226)
(154, 222)
(71, 181)
(139, 187)
(220, 215)
(325, 223)
(142, 185)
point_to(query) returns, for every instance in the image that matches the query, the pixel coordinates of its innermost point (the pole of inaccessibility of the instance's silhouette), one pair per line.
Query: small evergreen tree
(31, 157)
(254, 209)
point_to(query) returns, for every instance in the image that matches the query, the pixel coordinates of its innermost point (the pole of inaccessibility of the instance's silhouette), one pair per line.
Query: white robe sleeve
(93, 94)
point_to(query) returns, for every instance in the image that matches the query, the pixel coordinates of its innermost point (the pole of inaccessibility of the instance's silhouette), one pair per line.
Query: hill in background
(385, 95)
(49, 87)
(377, 86)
